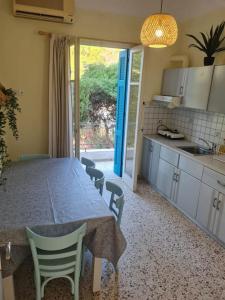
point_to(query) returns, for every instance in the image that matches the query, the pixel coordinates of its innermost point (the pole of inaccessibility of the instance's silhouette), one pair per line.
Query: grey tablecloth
(55, 196)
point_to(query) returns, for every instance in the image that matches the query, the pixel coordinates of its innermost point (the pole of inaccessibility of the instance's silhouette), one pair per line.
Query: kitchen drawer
(169, 155)
(191, 167)
(214, 179)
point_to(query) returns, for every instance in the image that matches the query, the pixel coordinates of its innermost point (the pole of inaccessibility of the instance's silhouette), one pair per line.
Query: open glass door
(133, 117)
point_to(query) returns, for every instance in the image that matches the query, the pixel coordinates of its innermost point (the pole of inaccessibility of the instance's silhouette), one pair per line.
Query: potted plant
(9, 107)
(210, 44)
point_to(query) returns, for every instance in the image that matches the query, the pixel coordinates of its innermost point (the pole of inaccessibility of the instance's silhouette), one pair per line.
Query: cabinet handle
(175, 177)
(214, 202)
(218, 205)
(221, 183)
(8, 251)
(181, 90)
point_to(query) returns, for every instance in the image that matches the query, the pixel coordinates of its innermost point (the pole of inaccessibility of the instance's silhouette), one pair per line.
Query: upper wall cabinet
(217, 94)
(173, 82)
(197, 87)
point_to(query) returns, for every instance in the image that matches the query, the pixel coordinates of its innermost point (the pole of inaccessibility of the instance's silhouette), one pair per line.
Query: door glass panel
(133, 117)
(131, 126)
(136, 67)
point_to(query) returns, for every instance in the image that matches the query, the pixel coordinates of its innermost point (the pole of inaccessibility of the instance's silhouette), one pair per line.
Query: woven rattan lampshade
(159, 30)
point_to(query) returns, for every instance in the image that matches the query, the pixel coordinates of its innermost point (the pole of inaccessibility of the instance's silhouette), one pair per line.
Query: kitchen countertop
(205, 160)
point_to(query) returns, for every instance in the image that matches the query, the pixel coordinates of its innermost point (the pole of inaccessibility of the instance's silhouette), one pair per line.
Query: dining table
(53, 197)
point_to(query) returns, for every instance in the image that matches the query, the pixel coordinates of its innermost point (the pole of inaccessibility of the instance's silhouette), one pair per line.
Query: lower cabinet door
(207, 203)
(188, 194)
(219, 227)
(165, 178)
(154, 165)
(146, 158)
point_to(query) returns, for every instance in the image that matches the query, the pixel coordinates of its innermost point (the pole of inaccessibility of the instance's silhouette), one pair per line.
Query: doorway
(106, 96)
(98, 97)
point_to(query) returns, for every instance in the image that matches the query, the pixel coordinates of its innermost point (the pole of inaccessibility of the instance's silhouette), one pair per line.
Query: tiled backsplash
(192, 123)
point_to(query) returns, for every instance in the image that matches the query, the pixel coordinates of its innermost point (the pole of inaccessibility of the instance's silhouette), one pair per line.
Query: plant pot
(208, 61)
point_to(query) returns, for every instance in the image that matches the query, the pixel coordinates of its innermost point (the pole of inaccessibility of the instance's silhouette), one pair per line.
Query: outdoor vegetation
(98, 91)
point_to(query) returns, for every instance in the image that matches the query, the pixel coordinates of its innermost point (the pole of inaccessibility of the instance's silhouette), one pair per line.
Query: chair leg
(76, 289)
(38, 293)
(37, 281)
(101, 190)
(83, 260)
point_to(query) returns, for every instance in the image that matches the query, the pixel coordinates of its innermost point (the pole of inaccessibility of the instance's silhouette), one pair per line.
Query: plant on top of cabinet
(210, 44)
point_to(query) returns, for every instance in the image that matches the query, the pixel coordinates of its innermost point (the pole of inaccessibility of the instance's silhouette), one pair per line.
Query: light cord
(161, 6)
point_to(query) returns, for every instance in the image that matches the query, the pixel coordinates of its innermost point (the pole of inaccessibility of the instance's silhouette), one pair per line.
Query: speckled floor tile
(167, 258)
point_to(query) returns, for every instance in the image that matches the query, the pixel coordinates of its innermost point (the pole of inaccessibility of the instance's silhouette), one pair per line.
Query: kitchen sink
(196, 150)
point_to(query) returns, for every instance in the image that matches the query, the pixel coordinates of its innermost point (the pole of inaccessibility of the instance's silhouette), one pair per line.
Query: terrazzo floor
(167, 258)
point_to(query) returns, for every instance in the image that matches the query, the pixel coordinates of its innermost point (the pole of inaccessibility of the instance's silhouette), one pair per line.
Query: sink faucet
(211, 145)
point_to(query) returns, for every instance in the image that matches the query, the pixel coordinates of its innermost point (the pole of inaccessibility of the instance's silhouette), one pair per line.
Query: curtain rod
(49, 34)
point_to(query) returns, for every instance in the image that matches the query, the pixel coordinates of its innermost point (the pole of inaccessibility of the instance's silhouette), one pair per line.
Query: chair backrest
(98, 177)
(55, 249)
(116, 205)
(34, 156)
(87, 162)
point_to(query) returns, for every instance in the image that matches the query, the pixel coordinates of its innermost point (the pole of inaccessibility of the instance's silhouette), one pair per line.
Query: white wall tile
(192, 123)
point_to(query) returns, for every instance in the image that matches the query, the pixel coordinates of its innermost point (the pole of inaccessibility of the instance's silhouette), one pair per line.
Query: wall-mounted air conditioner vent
(55, 11)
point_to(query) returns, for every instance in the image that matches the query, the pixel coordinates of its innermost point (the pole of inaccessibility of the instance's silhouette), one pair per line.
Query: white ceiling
(182, 9)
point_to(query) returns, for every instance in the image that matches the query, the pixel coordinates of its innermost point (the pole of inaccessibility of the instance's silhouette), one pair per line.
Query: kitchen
(183, 149)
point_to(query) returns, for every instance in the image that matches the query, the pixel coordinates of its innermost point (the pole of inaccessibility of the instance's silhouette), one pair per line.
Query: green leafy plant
(9, 107)
(211, 42)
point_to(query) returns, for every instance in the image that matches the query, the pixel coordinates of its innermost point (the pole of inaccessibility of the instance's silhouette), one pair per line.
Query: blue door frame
(121, 112)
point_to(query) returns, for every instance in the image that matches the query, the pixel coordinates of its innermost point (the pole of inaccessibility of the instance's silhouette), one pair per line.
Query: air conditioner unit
(49, 10)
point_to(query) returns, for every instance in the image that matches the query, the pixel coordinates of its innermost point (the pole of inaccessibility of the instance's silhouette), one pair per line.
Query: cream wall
(156, 60)
(195, 26)
(24, 62)
(24, 65)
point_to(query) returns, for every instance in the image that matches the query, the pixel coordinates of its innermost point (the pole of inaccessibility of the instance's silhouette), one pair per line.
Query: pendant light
(159, 30)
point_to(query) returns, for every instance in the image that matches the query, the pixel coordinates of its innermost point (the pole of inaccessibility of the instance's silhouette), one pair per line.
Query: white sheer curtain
(60, 106)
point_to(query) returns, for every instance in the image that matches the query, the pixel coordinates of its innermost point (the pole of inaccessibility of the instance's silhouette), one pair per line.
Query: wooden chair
(98, 177)
(116, 205)
(34, 156)
(56, 257)
(87, 162)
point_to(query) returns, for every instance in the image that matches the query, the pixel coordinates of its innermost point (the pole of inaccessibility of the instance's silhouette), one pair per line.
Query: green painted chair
(87, 162)
(56, 257)
(98, 177)
(34, 156)
(116, 205)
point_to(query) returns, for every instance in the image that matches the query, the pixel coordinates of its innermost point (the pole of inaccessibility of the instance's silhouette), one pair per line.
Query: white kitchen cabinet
(216, 99)
(150, 161)
(146, 158)
(166, 179)
(197, 87)
(197, 191)
(154, 163)
(219, 226)
(173, 82)
(211, 211)
(188, 193)
(206, 207)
